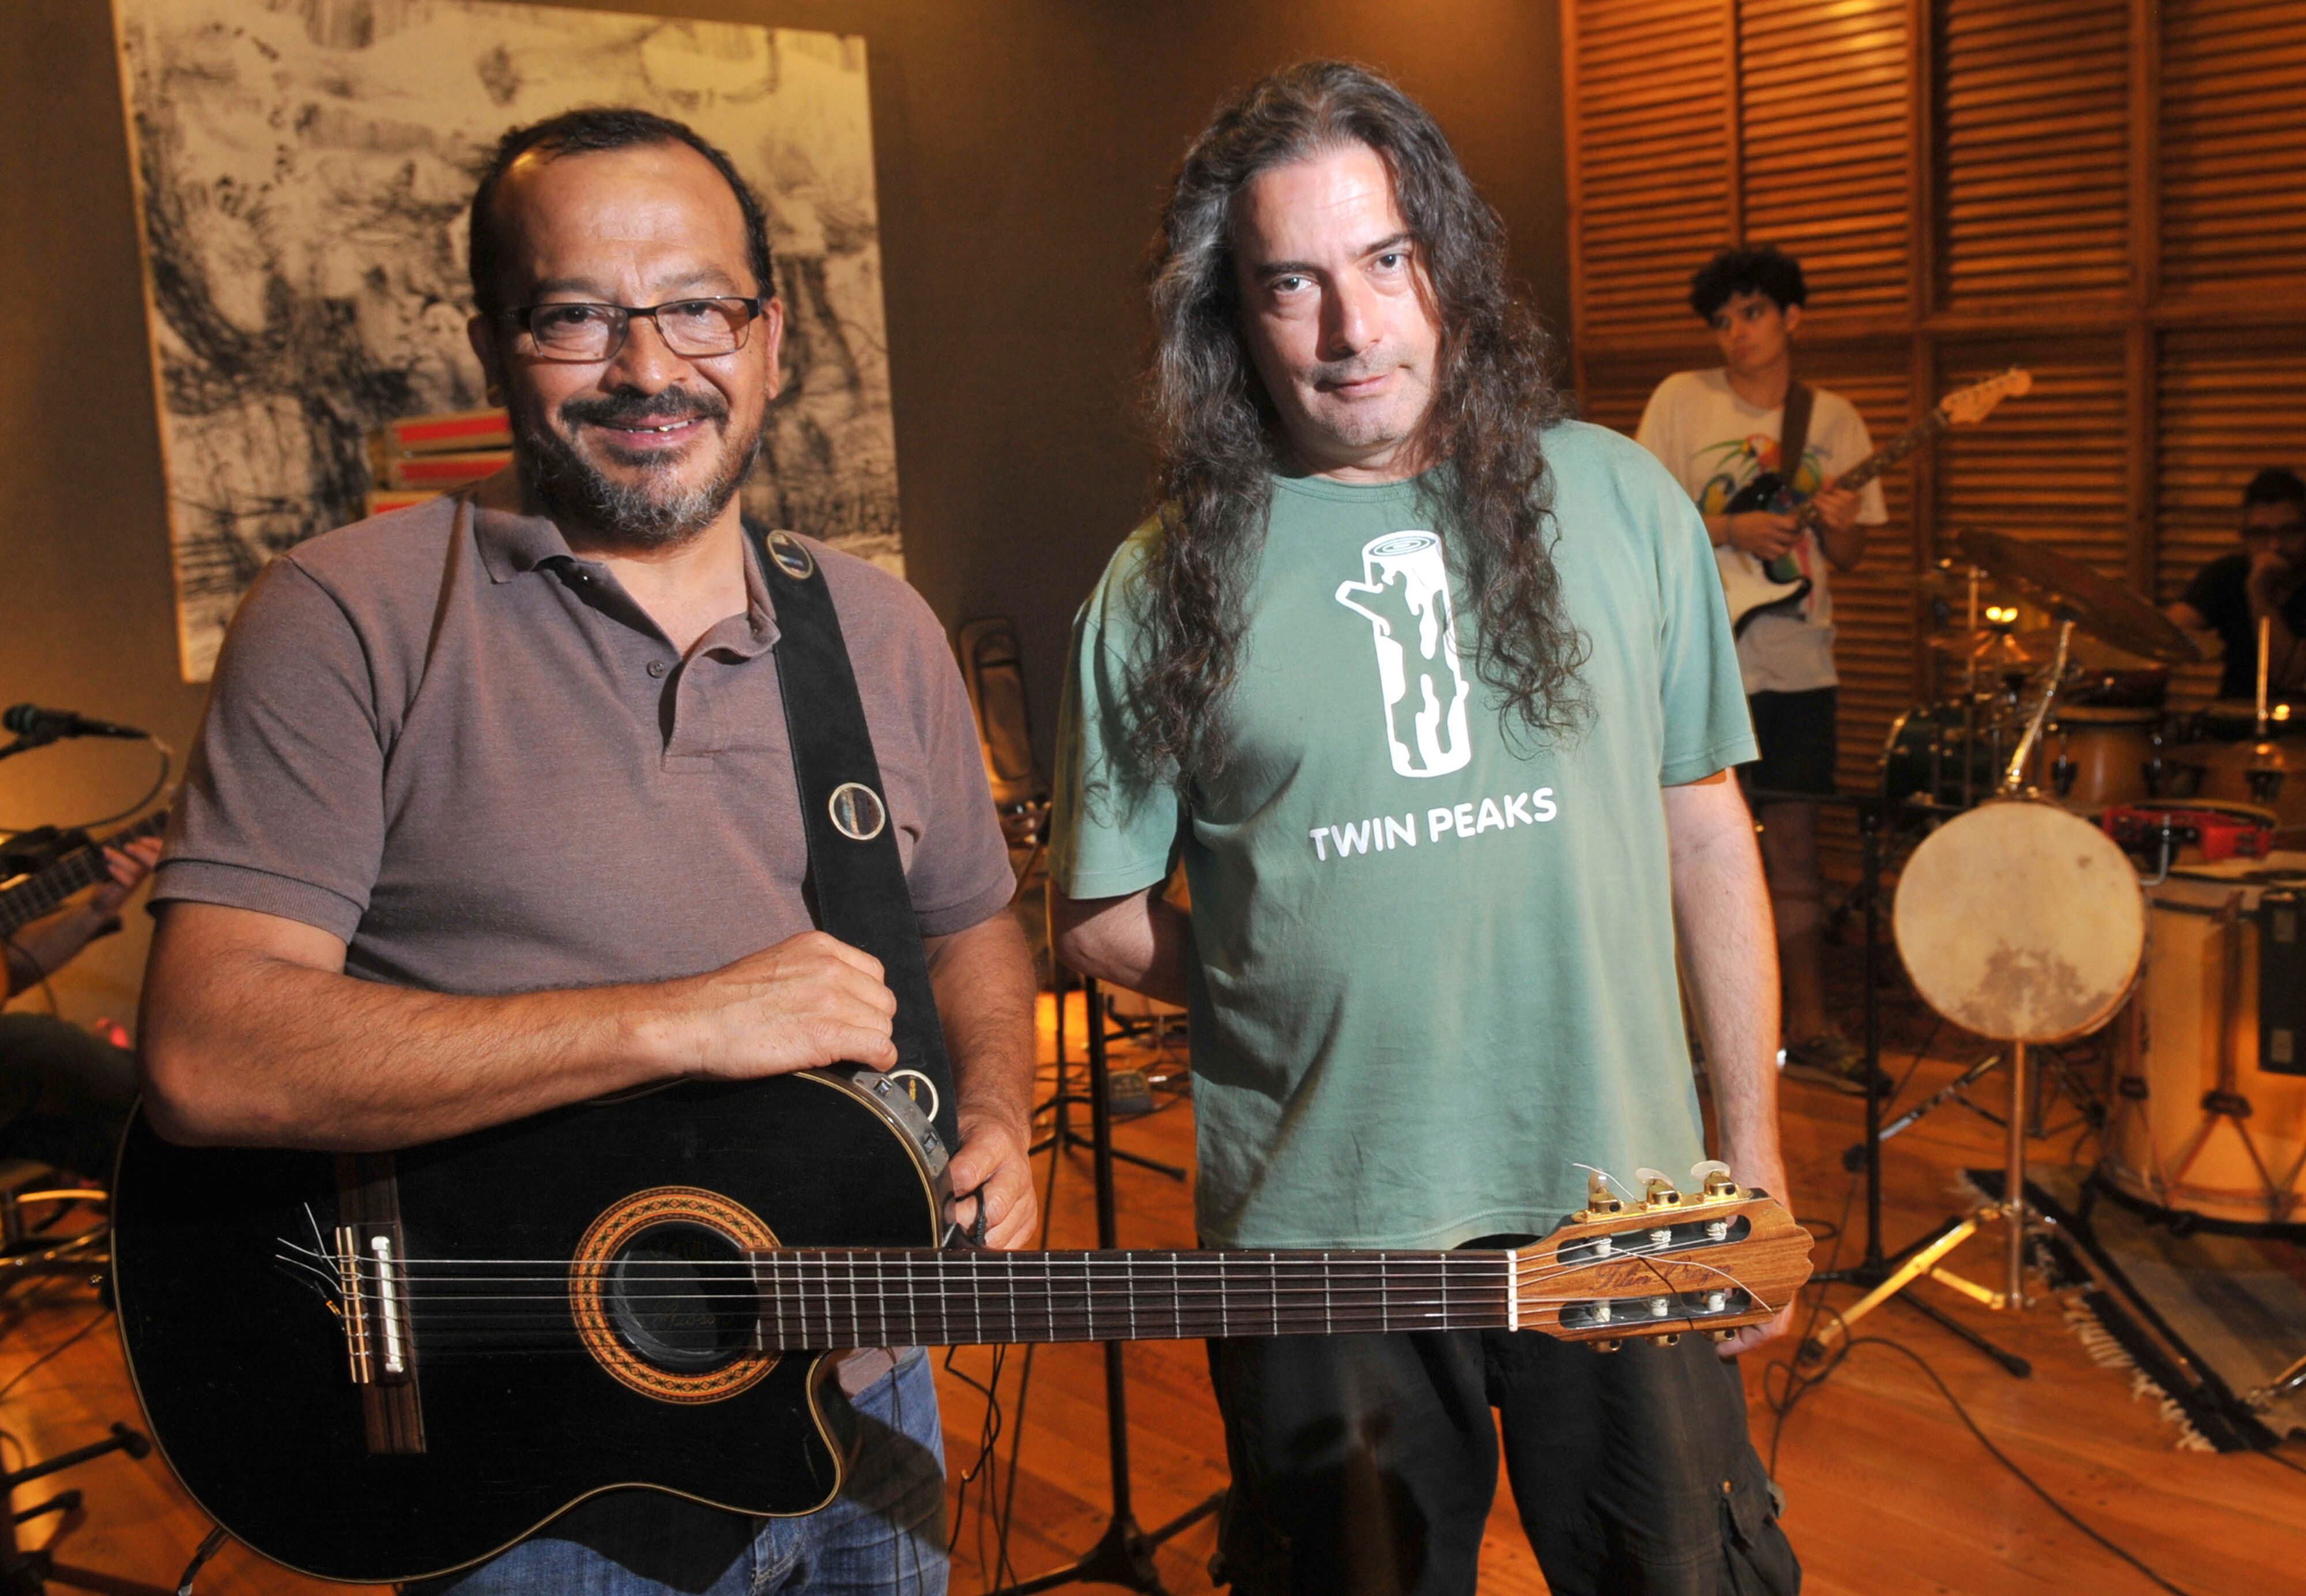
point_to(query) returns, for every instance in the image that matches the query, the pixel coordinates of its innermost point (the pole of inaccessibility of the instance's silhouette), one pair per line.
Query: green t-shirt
(1434, 962)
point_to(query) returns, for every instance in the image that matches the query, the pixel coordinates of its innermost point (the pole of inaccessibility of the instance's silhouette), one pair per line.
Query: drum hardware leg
(2062, 771)
(2290, 1379)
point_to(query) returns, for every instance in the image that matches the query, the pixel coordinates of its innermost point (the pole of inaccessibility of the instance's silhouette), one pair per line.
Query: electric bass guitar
(376, 1367)
(1755, 587)
(45, 890)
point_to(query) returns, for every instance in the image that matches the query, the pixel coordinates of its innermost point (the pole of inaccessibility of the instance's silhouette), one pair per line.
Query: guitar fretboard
(826, 1298)
(1882, 459)
(47, 889)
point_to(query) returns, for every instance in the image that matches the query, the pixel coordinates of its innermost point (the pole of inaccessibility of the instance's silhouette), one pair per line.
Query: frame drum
(2021, 921)
(2201, 1123)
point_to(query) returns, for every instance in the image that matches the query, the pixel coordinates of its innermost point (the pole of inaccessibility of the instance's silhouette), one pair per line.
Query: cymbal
(2071, 590)
(1992, 650)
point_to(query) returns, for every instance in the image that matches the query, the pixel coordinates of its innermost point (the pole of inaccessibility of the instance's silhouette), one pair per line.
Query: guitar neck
(47, 891)
(815, 1299)
(1888, 456)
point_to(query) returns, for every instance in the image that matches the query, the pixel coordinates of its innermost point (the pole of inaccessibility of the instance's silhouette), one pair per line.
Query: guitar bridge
(371, 1259)
(376, 1318)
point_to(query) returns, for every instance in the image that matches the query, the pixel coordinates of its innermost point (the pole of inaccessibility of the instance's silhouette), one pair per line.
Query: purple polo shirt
(443, 738)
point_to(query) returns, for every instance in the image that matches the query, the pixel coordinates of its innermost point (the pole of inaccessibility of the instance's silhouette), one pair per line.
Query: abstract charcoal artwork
(303, 168)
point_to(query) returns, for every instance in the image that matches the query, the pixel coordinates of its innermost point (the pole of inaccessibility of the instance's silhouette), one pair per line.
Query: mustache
(643, 410)
(1360, 369)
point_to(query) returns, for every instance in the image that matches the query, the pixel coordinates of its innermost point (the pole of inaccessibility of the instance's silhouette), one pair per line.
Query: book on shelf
(439, 473)
(444, 433)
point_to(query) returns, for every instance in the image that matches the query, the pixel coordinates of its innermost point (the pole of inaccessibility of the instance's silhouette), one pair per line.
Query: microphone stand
(1123, 1555)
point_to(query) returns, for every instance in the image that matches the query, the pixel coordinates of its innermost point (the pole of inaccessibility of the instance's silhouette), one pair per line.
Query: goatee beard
(639, 514)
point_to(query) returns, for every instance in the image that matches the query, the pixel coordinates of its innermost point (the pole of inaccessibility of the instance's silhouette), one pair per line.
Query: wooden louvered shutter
(1650, 185)
(2227, 409)
(2049, 468)
(2233, 147)
(1826, 171)
(2033, 105)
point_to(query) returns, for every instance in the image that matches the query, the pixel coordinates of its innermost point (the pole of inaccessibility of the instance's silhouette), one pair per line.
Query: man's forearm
(1722, 911)
(253, 1036)
(276, 1053)
(48, 944)
(1141, 941)
(983, 977)
(1843, 549)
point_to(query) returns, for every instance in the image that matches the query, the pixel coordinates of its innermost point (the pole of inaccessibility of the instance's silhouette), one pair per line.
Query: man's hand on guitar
(991, 1163)
(812, 1000)
(128, 865)
(1763, 1175)
(1837, 507)
(1761, 533)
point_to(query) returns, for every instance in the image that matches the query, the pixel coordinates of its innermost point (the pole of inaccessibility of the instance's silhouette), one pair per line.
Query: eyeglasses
(589, 332)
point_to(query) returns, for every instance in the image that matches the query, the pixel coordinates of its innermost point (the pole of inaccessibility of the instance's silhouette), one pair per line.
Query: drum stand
(1886, 1276)
(1923, 1258)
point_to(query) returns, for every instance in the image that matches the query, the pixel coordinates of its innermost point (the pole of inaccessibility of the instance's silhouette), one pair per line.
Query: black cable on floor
(2007, 1462)
(1804, 1384)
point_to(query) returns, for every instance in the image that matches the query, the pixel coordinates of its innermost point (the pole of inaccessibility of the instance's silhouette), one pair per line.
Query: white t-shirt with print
(1714, 443)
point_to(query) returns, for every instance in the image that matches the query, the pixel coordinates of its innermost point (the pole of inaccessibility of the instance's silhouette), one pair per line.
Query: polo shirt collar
(514, 540)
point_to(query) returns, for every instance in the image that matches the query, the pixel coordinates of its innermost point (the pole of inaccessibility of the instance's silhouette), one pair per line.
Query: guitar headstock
(1977, 402)
(1667, 1262)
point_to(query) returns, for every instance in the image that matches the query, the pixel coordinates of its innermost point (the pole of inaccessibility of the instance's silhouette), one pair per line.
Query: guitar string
(930, 1269)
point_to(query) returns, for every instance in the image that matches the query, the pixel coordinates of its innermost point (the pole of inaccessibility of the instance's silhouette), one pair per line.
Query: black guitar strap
(1793, 435)
(856, 877)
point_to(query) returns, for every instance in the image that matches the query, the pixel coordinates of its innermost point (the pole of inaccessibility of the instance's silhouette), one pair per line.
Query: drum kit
(2091, 858)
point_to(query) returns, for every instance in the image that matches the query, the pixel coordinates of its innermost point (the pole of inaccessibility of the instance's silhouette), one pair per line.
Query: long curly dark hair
(1216, 426)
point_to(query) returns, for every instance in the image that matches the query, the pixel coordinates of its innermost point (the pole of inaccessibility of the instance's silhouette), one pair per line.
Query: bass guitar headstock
(1664, 1264)
(1977, 402)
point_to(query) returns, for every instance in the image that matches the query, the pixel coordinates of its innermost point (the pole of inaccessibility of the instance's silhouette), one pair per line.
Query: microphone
(30, 721)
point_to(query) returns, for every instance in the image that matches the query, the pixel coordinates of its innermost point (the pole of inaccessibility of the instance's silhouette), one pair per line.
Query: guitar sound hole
(680, 1297)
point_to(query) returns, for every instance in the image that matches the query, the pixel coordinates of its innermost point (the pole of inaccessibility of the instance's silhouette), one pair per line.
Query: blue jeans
(884, 1535)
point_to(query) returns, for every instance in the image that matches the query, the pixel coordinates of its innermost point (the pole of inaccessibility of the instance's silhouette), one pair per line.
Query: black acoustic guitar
(1754, 587)
(380, 1367)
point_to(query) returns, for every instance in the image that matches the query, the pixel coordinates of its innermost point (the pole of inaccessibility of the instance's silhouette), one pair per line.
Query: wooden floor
(1887, 1491)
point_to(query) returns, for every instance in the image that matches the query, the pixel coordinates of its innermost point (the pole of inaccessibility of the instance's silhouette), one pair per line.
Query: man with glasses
(493, 809)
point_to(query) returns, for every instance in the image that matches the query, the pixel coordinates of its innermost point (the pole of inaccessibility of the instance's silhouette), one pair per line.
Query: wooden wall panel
(1874, 607)
(2032, 104)
(2051, 467)
(1825, 162)
(1651, 187)
(2234, 146)
(2111, 192)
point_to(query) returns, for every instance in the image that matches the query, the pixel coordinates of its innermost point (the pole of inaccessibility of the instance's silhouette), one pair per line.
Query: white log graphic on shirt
(1405, 591)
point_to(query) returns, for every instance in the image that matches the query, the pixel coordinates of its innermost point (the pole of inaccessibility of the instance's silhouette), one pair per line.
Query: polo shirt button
(657, 668)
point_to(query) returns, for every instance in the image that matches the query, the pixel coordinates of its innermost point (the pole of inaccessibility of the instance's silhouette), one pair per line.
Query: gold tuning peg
(1661, 1193)
(1599, 1198)
(1670, 1338)
(1605, 1346)
(1722, 1334)
(1714, 1181)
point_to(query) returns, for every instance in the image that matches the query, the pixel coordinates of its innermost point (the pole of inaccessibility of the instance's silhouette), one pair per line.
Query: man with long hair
(1434, 693)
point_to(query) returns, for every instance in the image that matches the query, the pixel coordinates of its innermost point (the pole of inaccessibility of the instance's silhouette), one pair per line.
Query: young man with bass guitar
(1776, 527)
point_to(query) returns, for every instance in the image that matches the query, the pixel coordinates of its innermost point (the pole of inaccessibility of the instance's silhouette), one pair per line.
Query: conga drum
(2209, 1110)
